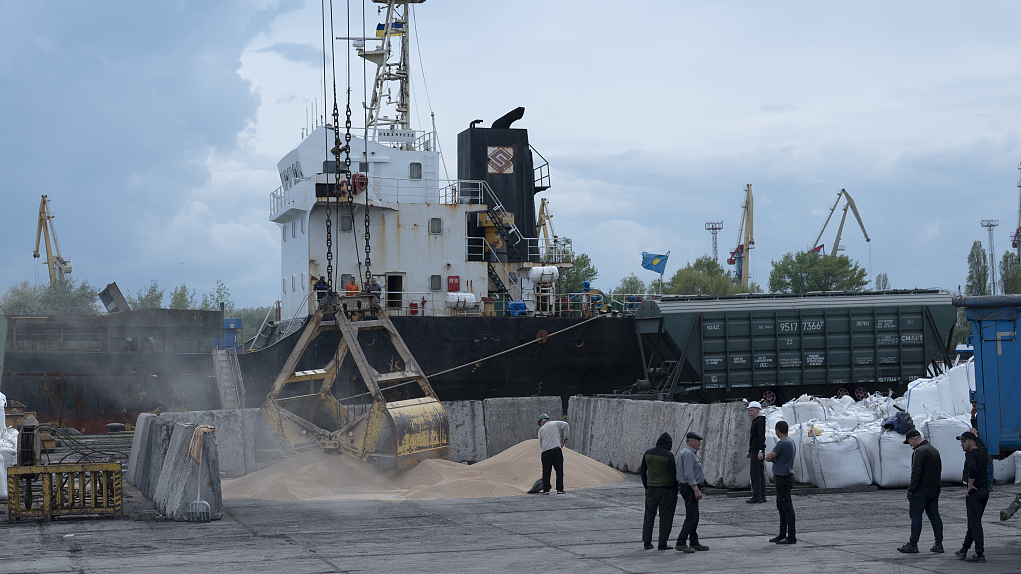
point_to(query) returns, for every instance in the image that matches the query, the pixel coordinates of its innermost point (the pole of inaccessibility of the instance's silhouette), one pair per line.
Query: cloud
(780, 109)
(308, 54)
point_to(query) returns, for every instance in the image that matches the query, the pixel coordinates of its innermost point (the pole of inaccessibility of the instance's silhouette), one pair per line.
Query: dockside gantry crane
(745, 239)
(55, 264)
(836, 242)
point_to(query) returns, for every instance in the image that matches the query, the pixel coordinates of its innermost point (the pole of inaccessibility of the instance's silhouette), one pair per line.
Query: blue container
(994, 320)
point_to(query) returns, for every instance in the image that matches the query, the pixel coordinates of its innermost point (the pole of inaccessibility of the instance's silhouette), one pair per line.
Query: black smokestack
(505, 121)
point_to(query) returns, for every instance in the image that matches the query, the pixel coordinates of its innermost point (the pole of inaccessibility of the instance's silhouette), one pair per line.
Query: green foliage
(978, 271)
(703, 277)
(803, 272)
(882, 282)
(21, 299)
(251, 319)
(631, 285)
(1010, 273)
(150, 298)
(181, 298)
(572, 280)
(219, 294)
(961, 330)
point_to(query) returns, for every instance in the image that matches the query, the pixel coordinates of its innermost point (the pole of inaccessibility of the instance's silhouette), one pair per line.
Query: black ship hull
(591, 358)
(87, 390)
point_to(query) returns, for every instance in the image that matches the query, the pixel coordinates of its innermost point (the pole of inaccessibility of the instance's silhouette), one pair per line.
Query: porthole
(370, 341)
(579, 342)
(446, 341)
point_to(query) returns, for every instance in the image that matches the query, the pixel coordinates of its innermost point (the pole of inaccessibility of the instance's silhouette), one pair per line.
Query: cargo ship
(466, 268)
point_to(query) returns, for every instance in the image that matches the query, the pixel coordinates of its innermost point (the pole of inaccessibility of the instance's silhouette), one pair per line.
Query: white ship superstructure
(437, 247)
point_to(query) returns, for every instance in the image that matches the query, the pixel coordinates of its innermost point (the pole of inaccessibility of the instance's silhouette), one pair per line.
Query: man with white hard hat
(756, 453)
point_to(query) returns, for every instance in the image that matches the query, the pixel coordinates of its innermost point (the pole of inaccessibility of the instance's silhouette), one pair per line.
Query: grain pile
(320, 476)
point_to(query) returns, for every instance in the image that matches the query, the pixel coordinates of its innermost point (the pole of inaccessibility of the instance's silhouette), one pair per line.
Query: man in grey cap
(552, 436)
(689, 476)
(757, 452)
(923, 492)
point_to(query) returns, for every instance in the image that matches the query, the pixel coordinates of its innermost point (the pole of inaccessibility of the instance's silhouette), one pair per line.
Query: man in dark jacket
(756, 453)
(923, 492)
(659, 477)
(977, 477)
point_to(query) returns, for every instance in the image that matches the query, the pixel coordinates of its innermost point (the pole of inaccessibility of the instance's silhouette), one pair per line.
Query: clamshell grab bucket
(392, 434)
(404, 433)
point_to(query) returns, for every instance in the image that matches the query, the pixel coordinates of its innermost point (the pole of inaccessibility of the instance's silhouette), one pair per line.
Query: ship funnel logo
(501, 159)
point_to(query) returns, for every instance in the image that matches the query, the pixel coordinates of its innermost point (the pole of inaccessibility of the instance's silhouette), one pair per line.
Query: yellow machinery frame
(397, 434)
(67, 490)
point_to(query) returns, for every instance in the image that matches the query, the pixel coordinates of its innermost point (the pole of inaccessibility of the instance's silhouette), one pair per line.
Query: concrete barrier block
(158, 441)
(509, 421)
(179, 483)
(232, 438)
(467, 431)
(139, 456)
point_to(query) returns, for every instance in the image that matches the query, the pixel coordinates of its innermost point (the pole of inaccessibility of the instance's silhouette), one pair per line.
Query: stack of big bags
(842, 442)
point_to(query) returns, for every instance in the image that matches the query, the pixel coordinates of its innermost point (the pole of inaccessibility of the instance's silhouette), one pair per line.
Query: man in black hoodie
(923, 492)
(659, 477)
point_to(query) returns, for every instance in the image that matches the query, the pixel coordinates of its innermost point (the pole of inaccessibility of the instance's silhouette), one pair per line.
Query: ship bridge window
(283, 233)
(436, 226)
(330, 166)
(416, 170)
(347, 223)
(435, 282)
(303, 225)
(302, 282)
(292, 282)
(363, 166)
(292, 230)
(283, 286)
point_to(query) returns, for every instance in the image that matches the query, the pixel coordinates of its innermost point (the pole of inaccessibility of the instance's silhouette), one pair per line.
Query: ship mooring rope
(533, 341)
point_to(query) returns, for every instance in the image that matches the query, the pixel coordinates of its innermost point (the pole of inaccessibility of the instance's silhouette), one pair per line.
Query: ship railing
(463, 191)
(293, 194)
(423, 304)
(628, 303)
(541, 171)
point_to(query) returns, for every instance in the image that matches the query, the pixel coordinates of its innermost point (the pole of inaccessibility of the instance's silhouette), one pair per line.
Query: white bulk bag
(3, 413)
(9, 448)
(3, 477)
(837, 460)
(923, 398)
(803, 409)
(890, 458)
(1005, 470)
(773, 415)
(1017, 468)
(954, 396)
(942, 430)
(800, 434)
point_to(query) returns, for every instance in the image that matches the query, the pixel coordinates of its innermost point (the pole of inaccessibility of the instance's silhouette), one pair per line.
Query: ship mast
(395, 26)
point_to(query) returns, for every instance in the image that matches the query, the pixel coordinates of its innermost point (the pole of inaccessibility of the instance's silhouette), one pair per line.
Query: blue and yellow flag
(396, 29)
(654, 262)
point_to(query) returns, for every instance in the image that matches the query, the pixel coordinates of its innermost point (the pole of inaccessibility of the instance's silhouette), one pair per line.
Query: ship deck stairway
(508, 231)
(228, 379)
(495, 278)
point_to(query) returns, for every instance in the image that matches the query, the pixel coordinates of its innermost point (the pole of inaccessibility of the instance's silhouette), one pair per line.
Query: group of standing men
(665, 476)
(924, 490)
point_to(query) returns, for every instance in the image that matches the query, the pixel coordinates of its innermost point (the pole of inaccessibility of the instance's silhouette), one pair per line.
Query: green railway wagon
(774, 347)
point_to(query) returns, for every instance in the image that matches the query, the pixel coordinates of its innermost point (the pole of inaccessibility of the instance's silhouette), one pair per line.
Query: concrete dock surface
(590, 531)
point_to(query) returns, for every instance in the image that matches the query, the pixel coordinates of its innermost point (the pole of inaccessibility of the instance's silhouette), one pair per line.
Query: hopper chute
(384, 423)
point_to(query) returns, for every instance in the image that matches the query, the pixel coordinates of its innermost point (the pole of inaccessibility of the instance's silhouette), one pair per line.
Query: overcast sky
(155, 128)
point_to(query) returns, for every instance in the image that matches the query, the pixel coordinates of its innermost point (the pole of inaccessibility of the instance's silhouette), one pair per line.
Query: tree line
(794, 273)
(978, 282)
